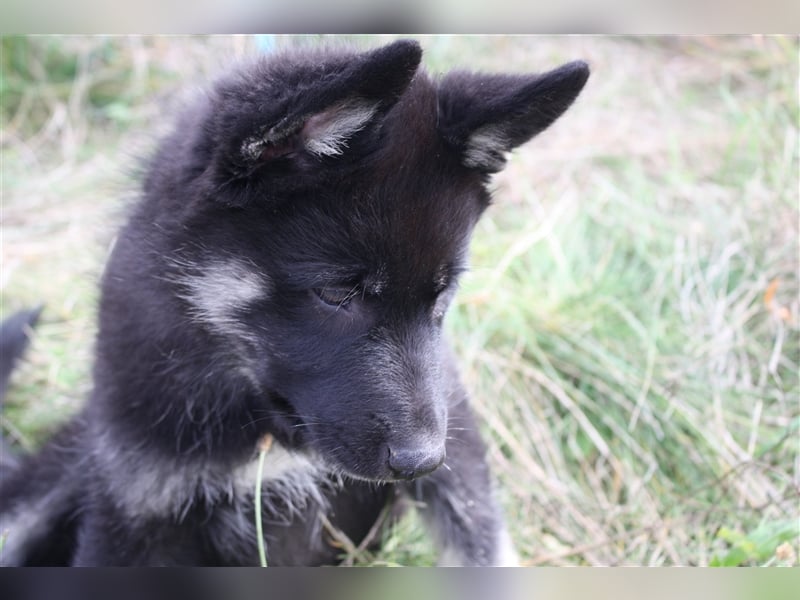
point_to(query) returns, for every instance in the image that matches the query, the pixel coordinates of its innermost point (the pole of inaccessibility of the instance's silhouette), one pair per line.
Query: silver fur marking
(324, 134)
(327, 133)
(487, 148)
(220, 291)
(166, 489)
(21, 526)
(505, 555)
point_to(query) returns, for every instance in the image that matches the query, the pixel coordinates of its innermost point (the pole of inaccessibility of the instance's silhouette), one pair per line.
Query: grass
(630, 329)
(263, 449)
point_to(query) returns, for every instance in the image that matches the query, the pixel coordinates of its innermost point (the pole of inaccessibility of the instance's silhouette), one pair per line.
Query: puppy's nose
(408, 463)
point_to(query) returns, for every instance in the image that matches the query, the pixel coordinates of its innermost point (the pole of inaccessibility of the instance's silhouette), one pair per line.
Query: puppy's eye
(336, 296)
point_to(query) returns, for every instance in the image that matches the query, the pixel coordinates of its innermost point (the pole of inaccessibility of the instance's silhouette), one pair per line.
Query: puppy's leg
(40, 502)
(457, 502)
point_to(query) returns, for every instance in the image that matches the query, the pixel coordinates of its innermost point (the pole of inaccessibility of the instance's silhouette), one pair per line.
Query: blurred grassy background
(630, 330)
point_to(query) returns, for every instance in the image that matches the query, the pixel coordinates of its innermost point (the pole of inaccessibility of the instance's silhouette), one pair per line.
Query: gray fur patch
(487, 148)
(166, 489)
(253, 146)
(219, 291)
(324, 134)
(504, 555)
(26, 524)
(327, 133)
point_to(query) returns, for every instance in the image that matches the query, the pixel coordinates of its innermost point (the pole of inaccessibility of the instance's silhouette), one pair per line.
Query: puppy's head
(326, 208)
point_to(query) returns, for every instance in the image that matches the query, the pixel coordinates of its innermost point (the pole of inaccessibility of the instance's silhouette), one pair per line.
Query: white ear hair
(326, 133)
(487, 148)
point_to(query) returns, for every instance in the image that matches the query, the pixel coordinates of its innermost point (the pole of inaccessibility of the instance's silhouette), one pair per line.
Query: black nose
(408, 463)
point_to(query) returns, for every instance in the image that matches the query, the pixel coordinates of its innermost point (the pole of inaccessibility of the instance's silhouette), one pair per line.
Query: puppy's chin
(390, 479)
(382, 480)
(339, 464)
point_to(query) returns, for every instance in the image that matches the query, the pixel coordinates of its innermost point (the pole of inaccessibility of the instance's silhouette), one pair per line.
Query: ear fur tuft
(483, 117)
(323, 134)
(341, 104)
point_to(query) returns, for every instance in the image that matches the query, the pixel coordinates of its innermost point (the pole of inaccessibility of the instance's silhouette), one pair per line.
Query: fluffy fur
(286, 271)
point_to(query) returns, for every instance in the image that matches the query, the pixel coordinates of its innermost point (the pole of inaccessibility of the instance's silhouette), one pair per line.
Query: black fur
(286, 271)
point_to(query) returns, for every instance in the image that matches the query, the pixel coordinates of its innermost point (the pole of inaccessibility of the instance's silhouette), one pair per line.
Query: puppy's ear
(273, 127)
(331, 103)
(483, 117)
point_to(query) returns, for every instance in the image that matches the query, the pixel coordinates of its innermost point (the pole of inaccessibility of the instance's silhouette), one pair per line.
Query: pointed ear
(335, 104)
(264, 129)
(483, 117)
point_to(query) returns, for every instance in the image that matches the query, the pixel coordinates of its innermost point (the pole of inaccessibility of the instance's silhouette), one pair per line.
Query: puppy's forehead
(403, 232)
(417, 231)
(418, 183)
(406, 214)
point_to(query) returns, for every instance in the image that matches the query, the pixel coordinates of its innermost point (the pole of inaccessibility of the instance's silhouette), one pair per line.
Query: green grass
(630, 329)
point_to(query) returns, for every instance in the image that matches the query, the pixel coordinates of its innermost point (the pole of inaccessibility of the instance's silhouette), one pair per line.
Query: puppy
(284, 276)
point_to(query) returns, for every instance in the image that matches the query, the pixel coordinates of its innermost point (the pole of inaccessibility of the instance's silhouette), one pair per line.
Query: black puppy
(298, 241)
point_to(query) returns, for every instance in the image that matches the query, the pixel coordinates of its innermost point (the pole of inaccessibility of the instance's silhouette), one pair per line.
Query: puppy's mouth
(379, 465)
(383, 468)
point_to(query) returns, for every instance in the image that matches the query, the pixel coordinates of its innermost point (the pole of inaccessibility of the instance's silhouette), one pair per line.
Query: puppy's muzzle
(408, 463)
